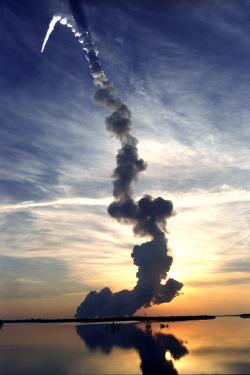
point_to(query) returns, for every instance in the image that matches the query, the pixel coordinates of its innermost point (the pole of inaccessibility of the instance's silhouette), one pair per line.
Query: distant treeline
(123, 319)
(245, 315)
(116, 319)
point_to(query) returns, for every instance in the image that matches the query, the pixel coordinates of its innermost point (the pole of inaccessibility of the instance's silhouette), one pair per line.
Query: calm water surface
(220, 346)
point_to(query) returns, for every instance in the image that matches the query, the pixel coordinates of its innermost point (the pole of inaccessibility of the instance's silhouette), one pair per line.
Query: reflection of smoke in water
(158, 352)
(148, 216)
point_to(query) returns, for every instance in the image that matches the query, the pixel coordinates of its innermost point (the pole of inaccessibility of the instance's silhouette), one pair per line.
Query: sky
(182, 68)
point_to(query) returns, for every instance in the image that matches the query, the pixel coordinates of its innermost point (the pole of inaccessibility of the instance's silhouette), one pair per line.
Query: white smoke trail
(148, 216)
(64, 20)
(90, 50)
(51, 27)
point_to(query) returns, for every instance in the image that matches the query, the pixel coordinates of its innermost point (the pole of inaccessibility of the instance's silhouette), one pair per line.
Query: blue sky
(182, 67)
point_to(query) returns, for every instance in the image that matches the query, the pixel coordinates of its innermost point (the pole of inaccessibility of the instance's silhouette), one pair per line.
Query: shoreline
(126, 319)
(116, 319)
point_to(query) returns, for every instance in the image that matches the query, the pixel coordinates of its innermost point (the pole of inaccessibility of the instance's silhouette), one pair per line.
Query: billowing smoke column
(148, 216)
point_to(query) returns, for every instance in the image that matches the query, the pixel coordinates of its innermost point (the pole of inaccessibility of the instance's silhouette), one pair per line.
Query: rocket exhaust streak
(52, 24)
(148, 216)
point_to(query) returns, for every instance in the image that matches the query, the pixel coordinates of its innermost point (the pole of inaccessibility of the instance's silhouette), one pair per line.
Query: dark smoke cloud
(119, 122)
(148, 216)
(153, 264)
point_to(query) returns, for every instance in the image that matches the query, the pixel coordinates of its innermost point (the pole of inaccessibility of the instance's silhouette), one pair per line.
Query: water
(220, 346)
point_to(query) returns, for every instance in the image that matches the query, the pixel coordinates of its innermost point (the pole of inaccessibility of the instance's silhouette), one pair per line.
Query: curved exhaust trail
(147, 216)
(52, 24)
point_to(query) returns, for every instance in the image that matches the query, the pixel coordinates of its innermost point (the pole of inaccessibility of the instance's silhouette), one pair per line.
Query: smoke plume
(147, 216)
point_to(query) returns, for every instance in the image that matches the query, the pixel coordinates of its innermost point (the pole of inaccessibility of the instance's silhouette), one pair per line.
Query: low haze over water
(219, 346)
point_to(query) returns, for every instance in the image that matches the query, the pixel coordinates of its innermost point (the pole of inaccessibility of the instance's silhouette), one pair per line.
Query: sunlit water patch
(219, 346)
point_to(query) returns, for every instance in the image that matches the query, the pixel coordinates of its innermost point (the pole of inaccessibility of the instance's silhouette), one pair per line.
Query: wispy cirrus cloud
(185, 76)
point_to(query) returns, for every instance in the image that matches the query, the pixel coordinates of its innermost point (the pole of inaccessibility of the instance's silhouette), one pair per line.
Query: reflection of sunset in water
(155, 348)
(168, 355)
(219, 346)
